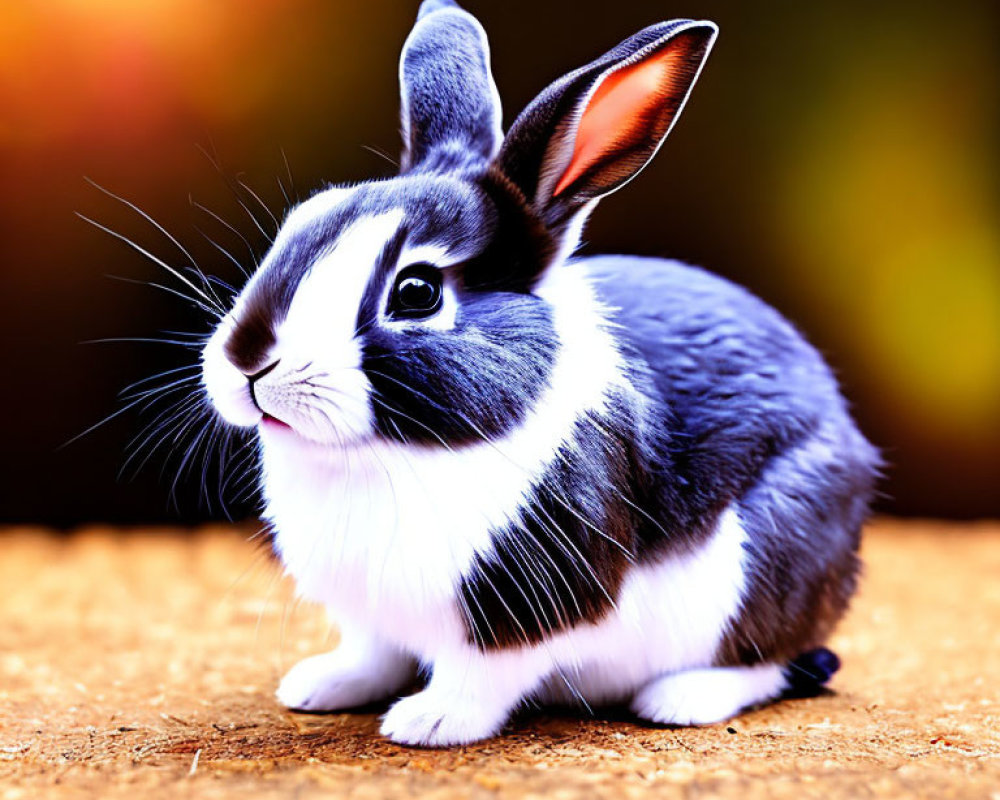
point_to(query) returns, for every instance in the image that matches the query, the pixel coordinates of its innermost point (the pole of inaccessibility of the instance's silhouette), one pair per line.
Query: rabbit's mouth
(268, 419)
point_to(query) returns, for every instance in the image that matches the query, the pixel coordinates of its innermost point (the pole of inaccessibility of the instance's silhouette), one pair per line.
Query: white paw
(704, 696)
(328, 682)
(433, 719)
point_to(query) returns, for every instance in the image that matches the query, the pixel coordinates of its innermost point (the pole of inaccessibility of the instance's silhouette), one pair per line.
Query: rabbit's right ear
(593, 130)
(450, 106)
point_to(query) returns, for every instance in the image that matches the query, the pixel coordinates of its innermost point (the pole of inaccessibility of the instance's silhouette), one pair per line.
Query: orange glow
(69, 68)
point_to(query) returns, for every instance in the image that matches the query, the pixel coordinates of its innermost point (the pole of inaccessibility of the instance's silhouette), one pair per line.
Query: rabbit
(533, 478)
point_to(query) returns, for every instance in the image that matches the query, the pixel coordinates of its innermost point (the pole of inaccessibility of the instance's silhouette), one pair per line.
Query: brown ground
(142, 664)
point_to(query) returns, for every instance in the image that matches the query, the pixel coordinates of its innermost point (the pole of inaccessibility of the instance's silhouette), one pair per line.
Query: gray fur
(450, 108)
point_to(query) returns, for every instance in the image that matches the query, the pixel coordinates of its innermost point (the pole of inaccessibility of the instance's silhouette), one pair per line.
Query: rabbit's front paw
(331, 681)
(436, 719)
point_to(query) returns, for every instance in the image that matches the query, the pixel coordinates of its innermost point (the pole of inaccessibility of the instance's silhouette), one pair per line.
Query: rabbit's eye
(417, 292)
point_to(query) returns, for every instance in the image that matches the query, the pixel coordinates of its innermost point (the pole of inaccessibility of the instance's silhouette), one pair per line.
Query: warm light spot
(71, 68)
(890, 212)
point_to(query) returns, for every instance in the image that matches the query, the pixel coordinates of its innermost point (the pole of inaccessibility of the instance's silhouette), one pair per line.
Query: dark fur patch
(521, 247)
(563, 561)
(251, 339)
(455, 387)
(803, 518)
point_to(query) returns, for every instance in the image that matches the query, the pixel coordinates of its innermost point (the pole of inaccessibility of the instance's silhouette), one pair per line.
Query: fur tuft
(809, 673)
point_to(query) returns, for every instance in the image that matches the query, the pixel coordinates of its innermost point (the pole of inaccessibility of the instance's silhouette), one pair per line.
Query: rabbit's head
(426, 308)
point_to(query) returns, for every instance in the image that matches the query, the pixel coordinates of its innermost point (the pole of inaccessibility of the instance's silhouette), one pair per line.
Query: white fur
(656, 645)
(362, 669)
(469, 697)
(703, 696)
(324, 310)
(656, 648)
(308, 213)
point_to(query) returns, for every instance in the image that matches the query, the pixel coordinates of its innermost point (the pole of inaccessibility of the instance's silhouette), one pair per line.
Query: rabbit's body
(598, 480)
(736, 569)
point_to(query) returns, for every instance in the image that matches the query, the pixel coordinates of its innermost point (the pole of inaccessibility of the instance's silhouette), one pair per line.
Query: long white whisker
(200, 440)
(232, 187)
(104, 421)
(146, 217)
(260, 202)
(183, 382)
(194, 264)
(155, 259)
(158, 432)
(288, 169)
(157, 376)
(381, 154)
(239, 463)
(284, 194)
(224, 251)
(231, 228)
(141, 340)
(210, 310)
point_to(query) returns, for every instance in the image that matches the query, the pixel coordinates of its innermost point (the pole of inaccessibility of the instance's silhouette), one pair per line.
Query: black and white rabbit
(540, 479)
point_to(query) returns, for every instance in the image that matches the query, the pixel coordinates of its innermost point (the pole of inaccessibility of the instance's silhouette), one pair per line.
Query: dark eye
(417, 292)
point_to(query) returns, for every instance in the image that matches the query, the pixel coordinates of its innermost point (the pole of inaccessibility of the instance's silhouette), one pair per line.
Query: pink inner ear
(617, 111)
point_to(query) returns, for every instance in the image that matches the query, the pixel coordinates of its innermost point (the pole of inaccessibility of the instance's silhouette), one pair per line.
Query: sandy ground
(142, 664)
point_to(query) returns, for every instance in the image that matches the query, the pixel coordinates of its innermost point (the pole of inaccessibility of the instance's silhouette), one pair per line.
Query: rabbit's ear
(593, 130)
(450, 106)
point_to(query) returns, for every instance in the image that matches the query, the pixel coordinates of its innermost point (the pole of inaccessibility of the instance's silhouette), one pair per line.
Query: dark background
(839, 158)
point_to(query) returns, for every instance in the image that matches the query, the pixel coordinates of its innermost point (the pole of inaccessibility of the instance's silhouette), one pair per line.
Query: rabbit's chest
(387, 535)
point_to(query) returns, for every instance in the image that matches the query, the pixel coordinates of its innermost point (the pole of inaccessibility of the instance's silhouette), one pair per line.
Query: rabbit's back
(737, 383)
(720, 358)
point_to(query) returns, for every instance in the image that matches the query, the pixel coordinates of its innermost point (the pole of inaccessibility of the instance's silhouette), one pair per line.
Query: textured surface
(142, 664)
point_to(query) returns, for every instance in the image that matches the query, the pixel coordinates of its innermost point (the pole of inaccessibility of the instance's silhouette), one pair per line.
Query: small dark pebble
(730, 729)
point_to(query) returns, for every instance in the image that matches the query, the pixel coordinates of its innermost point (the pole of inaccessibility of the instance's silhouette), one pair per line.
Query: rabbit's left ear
(593, 130)
(450, 105)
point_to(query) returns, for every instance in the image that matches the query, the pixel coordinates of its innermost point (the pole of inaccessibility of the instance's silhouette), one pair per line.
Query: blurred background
(838, 158)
